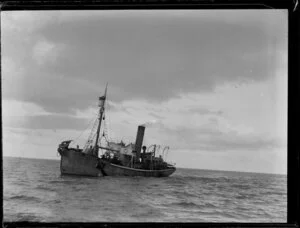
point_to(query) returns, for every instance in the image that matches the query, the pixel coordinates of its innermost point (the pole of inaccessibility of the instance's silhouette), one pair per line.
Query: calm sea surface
(34, 190)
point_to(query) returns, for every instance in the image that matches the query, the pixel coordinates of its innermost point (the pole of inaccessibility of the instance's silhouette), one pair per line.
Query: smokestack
(139, 140)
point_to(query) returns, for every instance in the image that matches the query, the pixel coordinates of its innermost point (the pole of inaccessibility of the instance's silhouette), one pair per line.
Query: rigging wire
(93, 118)
(104, 133)
(93, 133)
(104, 129)
(85, 128)
(165, 152)
(157, 150)
(91, 136)
(108, 122)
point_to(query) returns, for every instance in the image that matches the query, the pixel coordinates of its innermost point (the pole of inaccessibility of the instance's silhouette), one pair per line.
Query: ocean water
(34, 190)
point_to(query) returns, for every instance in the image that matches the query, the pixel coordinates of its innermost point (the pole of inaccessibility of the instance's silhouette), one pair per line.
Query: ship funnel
(139, 140)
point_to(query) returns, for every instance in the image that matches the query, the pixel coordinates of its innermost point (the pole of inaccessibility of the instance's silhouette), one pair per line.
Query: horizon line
(219, 170)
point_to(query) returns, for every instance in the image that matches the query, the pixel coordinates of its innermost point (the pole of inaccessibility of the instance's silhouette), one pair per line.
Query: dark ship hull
(110, 169)
(77, 163)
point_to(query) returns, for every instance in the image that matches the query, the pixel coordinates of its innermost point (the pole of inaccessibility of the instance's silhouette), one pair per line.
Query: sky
(212, 83)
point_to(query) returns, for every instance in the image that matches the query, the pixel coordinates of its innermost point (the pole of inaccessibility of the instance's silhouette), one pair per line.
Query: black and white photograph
(175, 115)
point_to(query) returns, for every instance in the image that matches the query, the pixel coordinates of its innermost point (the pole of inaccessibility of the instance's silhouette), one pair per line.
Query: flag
(102, 98)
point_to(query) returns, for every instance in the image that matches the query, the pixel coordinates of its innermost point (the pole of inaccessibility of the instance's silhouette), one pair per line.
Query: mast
(101, 111)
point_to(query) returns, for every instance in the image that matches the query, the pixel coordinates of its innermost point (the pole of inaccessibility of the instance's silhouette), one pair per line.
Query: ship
(117, 159)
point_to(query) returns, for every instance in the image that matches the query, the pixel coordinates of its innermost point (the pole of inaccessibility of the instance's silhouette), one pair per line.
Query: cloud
(156, 116)
(140, 59)
(27, 21)
(213, 133)
(26, 117)
(215, 139)
(53, 122)
(204, 111)
(116, 107)
(13, 108)
(36, 143)
(46, 52)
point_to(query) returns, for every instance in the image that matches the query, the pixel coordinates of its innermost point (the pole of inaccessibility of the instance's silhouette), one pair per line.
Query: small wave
(55, 181)
(244, 209)
(180, 192)
(184, 180)
(21, 182)
(221, 214)
(156, 185)
(176, 180)
(208, 179)
(26, 217)
(43, 187)
(151, 213)
(183, 204)
(25, 198)
(187, 204)
(242, 186)
(247, 196)
(268, 193)
(241, 197)
(210, 205)
(56, 201)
